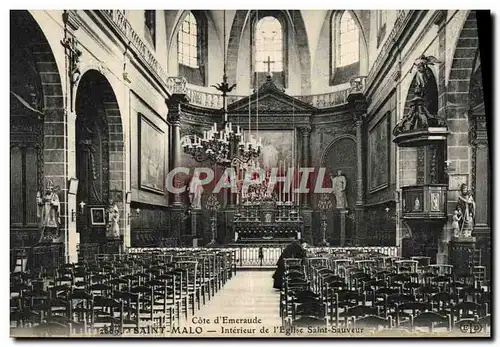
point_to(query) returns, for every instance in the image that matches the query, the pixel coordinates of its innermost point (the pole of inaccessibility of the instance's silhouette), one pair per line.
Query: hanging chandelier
(222, 144)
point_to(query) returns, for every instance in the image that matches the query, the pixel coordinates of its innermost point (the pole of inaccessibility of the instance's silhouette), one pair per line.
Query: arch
(295, 25)
(39, 120)
(462, 66)
(330, 146)
(96, 99)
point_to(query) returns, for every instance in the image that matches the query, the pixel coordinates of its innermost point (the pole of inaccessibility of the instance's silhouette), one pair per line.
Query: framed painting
(151, 156)
(378, 154)
(97, 216)
(277, 148)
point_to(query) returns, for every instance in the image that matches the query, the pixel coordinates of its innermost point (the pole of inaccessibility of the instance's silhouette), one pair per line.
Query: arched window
(192, 44)
(348, 41)
(268, 45)
(188, 42)
(345, 47)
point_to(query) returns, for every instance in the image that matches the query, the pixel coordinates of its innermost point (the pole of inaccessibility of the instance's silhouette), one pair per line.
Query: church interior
(146, 148)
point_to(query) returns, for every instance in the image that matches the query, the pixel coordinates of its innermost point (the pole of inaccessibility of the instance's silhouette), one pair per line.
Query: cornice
(389, 52)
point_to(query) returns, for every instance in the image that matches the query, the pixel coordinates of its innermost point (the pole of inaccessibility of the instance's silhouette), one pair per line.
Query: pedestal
(461, 255)
(177, 223)
(196, 229)
(307, 231)
(343, 214)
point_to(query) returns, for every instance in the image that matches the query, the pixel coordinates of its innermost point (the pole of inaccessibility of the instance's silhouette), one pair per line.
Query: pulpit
(267, 221)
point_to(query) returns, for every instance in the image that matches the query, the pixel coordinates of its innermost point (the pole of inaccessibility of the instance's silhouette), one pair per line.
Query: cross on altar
(269, 62)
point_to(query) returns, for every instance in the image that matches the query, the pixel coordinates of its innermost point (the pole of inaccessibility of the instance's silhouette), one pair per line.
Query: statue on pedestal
(113, 226)
(48, 213)
(466, 208)
(195, 191)
(339, 185)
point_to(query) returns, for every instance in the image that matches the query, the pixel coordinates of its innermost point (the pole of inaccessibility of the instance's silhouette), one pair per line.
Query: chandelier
(222, 144)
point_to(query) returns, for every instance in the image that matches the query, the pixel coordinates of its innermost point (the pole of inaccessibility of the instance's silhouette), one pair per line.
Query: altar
(267, 220)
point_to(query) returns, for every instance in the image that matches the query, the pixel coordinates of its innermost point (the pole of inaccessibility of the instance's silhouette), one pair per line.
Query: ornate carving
(306, 131)
(358, 84)
(175, 114)
(177, 85)
(70, 44)
(433, 168)
(420, 165)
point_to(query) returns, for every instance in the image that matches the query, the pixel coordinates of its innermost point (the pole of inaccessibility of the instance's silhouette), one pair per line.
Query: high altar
(267, 220)
(285, 126)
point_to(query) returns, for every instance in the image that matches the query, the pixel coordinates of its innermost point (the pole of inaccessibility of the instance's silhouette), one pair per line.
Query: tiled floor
(247, 296)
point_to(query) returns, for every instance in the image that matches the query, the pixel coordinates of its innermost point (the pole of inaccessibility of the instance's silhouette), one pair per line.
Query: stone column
(177, 98)
(359, 116)
(175, 149)
(305, 199)
(359, 154)
(480, 173)
(481, 188)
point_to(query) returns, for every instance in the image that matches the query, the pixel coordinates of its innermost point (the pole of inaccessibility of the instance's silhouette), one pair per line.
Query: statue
(339, 186)
(113, 227)
(435, 203)
(416, 205)
(48, 213)
(195, 192)
(466, 208)
(418, 117)
(455, 226)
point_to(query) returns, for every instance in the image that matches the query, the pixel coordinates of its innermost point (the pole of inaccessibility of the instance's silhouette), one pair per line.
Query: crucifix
(268, 62)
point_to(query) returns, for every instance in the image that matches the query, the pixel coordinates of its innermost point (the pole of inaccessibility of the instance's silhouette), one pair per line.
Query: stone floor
(248, 297)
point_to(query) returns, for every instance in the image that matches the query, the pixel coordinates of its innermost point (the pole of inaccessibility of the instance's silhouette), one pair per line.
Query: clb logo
(471, 327)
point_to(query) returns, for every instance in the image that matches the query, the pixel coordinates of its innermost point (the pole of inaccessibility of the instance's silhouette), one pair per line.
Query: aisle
(247, 297)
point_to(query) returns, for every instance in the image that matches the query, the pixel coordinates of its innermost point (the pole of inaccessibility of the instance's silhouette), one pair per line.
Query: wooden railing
(265, 256)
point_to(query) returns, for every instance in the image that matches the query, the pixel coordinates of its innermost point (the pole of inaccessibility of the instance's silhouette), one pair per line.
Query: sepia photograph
(258, 173)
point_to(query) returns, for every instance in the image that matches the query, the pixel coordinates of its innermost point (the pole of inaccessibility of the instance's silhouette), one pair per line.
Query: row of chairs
(138, 293)
(383, 292)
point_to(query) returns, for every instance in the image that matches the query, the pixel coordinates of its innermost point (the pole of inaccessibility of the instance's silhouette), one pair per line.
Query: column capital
(306, 130)
(359, 118)
(174, 113)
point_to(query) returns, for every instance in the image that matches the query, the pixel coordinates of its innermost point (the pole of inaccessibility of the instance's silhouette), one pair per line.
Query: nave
(201, 293)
